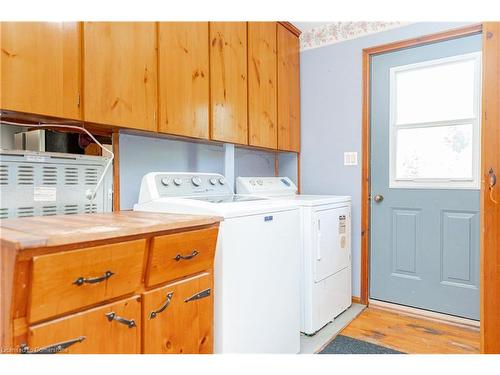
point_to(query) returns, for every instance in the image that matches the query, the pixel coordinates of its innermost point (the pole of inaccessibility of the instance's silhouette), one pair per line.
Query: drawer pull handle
(202, 294)
(153, 314)
(112, 316)
(52, 349)
(93, 280)
(186, 257)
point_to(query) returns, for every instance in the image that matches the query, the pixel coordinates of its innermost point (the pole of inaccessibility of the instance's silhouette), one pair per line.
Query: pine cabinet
(177, 319)
(120, 74)
(288, 90)
(235, 82)
(128, 282)
(262, 88)
(228, 86)
(183, 78)
(110, 329)
(40, 68)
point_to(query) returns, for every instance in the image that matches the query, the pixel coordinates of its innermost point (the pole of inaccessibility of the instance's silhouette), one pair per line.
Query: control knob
(165, 181)
(222, 180)
(213, 181)
(177, 181)
(196, 181)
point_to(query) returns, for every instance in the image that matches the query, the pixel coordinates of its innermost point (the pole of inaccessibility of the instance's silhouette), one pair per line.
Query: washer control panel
(265, 186)
(190, 184)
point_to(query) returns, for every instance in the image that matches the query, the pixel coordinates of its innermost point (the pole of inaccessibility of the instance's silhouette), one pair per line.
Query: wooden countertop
(50, 231)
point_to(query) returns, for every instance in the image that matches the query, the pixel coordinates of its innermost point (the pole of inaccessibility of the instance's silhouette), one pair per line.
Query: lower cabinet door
(178, 318)
(111, 329)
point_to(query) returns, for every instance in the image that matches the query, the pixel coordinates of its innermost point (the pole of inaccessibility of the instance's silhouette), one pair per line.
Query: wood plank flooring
(412, 335)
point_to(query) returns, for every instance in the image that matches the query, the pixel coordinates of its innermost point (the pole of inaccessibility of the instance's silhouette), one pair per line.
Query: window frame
(437, 183)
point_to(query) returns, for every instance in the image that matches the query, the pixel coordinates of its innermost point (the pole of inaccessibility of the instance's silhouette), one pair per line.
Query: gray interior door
(425, 125)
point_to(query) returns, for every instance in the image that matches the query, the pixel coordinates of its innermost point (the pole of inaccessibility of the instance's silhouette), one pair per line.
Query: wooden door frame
(366, 125)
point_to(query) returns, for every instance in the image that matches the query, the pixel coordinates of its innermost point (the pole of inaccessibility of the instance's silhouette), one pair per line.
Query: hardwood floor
(412, 335)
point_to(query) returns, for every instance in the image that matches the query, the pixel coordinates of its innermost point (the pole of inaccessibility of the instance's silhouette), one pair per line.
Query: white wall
(331, 104)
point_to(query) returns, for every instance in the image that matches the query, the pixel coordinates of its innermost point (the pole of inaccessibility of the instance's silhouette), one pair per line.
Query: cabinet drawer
(68, 281)
(113, 328)
(181, 254)
(178, 317)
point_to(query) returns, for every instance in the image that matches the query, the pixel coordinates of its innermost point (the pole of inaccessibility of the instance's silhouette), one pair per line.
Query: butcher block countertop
(61, 230)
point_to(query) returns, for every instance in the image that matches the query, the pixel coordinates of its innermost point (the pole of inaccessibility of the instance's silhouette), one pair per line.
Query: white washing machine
(257, 260)
(326, 289)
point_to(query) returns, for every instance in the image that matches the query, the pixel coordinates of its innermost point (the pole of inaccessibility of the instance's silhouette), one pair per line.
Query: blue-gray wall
(142, 154)
(331, 104)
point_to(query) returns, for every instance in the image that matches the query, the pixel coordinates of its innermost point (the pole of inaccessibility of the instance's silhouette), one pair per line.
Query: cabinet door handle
(162, 308)
(186, 257)
(51, 349)
(93, 280)
(202, 294)
(112, 316)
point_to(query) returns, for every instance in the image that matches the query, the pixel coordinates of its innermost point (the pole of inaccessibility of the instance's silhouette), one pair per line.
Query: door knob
(378, 198)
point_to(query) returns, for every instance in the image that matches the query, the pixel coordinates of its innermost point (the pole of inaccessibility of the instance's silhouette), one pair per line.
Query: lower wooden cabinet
(178, 317)
(149, 294)
(113, 328)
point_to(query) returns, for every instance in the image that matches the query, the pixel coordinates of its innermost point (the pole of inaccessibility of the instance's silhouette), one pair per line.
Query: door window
(435, 123)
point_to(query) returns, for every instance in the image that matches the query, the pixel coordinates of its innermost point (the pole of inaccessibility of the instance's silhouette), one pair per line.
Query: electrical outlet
(350, 158)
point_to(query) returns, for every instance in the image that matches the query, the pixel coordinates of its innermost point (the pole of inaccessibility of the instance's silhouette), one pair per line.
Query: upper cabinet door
(262, 94)
(183, 74)
(228, 70)
(289, 91)
(120, 74)
(40, 68)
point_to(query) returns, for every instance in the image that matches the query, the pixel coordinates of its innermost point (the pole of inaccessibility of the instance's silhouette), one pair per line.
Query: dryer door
(333, 241)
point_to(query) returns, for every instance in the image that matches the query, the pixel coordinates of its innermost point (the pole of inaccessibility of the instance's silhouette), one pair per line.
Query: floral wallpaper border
(339, 31)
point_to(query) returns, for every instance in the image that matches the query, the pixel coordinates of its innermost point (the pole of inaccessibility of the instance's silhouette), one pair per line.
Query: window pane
(435, 93)
(434, 152)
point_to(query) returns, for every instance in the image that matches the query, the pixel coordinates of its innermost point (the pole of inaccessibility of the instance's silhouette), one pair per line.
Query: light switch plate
(350, 158)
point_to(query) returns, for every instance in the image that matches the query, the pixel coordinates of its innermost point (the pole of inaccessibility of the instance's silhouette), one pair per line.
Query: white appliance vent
(4, 174)
(44, 184)
(70, 209)
(25, 211)
(4, 213)
(70, 176)
(91, 176)
(25, 175)
(49, 175)
(49, 210)
(89, 208)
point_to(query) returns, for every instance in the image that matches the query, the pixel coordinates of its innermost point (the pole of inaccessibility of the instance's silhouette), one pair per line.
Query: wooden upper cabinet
(228, 75)
(40, 68)
(262, 94)
(120, 74)
(288, 91)
(183, 77)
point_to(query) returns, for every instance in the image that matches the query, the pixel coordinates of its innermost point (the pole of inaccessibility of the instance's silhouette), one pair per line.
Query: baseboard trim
(425, 314)
(357, 300)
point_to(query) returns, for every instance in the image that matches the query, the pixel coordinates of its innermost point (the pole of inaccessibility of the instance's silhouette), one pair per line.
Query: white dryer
(257, 259)
(326, 289)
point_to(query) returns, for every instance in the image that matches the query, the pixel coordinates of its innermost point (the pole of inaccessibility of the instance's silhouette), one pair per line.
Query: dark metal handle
(202, 294)
(153, 314)
(52, 349)
(93, 280)
(492, 178)
(112, 316)
(186, 257)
